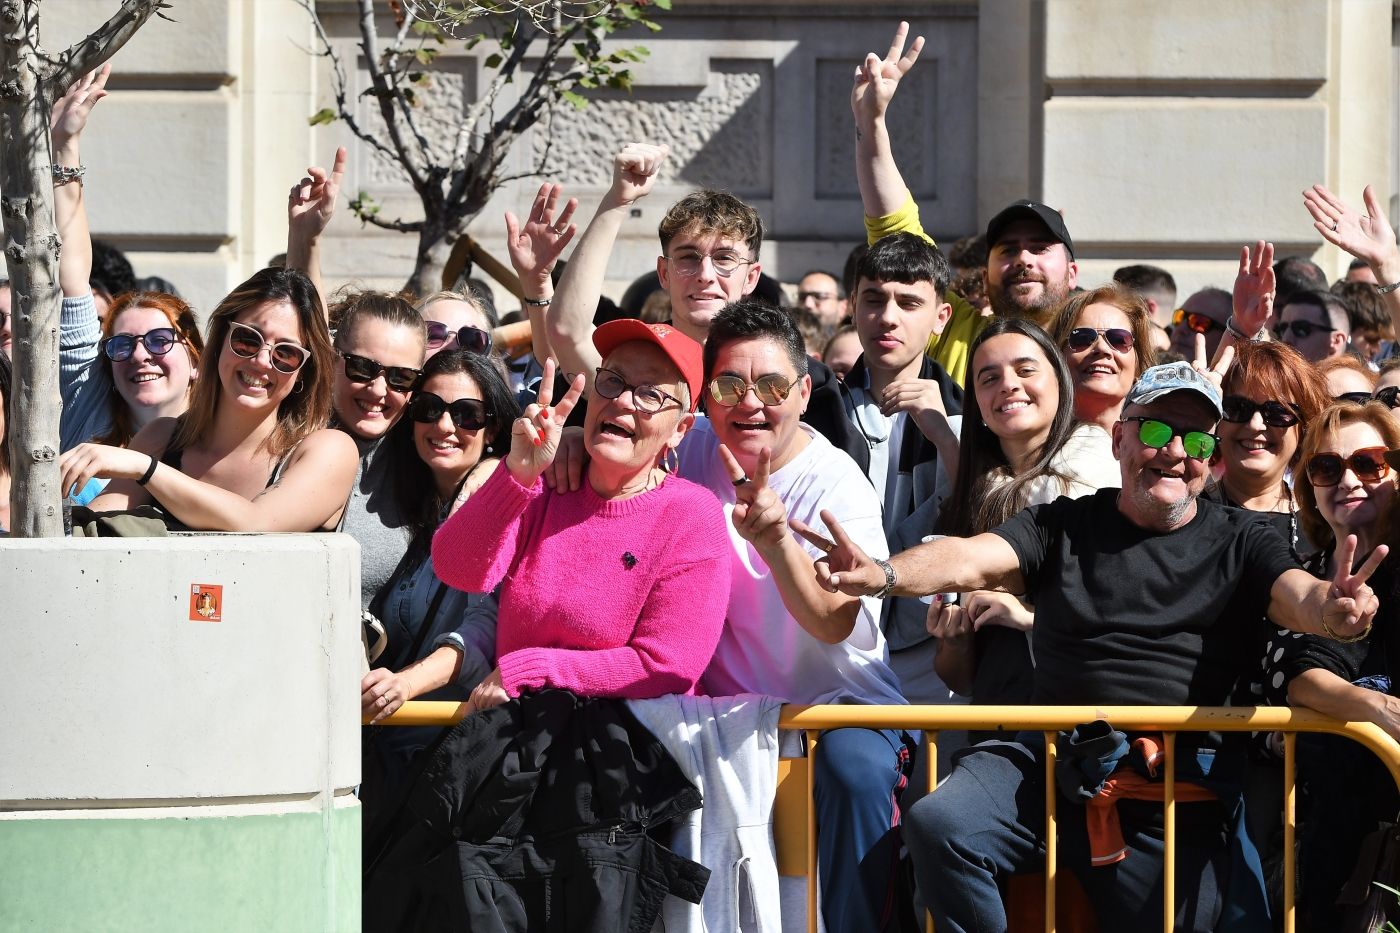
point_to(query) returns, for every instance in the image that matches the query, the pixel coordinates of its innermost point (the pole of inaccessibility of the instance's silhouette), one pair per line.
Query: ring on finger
(740, 481)
(1334, 226)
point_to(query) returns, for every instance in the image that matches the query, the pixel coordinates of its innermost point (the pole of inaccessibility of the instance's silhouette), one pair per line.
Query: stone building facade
(1167, 133)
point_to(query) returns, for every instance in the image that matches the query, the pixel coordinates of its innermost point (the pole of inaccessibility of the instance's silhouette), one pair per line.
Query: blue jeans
(858, 777)
(987, 821)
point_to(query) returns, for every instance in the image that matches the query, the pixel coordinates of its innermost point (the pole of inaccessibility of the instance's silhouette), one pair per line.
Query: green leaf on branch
(323, 116)
(578, 100)
(493, 60)
(425, 56)
(363, 206)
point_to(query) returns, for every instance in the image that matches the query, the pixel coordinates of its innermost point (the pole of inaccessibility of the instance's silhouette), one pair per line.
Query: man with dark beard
(1030, 262)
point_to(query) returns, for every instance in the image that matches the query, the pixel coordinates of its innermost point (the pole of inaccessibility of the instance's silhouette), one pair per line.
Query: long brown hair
(1132, 306)
(1372, 412)
(306, 409)
(181, 318)
(1274, 371)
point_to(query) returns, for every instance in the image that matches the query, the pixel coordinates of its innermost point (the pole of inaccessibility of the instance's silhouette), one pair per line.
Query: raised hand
(635, 170)
(759, 515)
(1352, 605)
(1366, 236)
(70, 112)
(311, 203)
(536, 246)
(846, 568)
(1254, 288)
(534, 436)
(877, 78)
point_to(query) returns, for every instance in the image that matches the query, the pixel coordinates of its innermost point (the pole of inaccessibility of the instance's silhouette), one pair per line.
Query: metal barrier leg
(811, 831)
(1169, 855)
(931, 766)
(1290, 826)
(1051, 853)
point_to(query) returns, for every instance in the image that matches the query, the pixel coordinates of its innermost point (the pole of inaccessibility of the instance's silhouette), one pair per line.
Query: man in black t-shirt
(1143, 595)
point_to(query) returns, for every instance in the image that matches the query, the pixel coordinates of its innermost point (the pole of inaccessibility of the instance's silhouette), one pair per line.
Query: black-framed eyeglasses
(1155, 433)
(725, 263)
(1119, 339)
(1301, 329)
(771, 389)
(1390, 395)
(1328, 467)
(363, 369)
(158, 341)
(468, 414)
(473, 339)
(1238, 410)
(648, 398)
(247, 341)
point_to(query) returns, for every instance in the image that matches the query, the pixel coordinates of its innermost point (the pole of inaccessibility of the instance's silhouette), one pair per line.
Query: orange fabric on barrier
(1106, 844)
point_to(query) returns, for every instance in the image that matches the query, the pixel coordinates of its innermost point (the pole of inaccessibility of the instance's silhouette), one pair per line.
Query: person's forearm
(827, 617)
(70, 217)
(1296, 601)
(882, 187)
(953, 565)
(304, 255)
(428, 674)
(955, 663)
(569, 319)
(1387, 272)
(935, 427)
(1326, 693)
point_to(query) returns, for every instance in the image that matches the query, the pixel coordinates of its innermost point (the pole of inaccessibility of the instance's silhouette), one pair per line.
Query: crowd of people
(930, 477)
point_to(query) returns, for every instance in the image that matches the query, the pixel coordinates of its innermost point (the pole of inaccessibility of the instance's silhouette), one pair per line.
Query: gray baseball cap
(1160, 381)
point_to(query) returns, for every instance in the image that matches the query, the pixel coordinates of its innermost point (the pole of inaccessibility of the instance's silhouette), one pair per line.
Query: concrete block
(1243, 40)
(1115, 167)
(122, 692)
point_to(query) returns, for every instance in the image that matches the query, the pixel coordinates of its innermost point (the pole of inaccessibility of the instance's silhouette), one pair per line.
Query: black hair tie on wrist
(150, 471)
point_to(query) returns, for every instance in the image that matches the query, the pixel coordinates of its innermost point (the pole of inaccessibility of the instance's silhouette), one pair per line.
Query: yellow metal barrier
(790, 838)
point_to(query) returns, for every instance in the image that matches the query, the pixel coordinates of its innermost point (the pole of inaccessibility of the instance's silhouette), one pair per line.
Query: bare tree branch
(384, 96)
(341, 86)
(398, 224)
(93, 51)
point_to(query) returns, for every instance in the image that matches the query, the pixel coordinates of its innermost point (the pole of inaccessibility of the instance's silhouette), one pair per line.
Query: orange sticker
(206, 602)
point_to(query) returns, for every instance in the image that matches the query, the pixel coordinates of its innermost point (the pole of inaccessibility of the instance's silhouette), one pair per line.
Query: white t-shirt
(763, 649)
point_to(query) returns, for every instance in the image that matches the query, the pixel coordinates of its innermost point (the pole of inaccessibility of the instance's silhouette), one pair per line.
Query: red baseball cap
(679, 349)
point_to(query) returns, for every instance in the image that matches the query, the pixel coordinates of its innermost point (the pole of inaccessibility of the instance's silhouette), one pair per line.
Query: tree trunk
(434, 248)
(31, 252)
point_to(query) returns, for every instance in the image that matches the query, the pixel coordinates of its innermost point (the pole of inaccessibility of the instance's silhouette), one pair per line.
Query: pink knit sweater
(611, 598)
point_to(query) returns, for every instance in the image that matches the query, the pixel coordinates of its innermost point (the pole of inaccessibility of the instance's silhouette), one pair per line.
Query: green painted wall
(263, 872)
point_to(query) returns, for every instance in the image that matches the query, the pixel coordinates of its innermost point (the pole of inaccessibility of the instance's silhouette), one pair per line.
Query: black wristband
(150, 471)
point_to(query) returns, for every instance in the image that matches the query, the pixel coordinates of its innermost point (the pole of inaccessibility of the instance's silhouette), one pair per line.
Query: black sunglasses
(1082, 338)
(1301, 329)
(363, 369)
(1238, 410)
(469, 338)
(1390, 395)
(469, 414)
(157, 342)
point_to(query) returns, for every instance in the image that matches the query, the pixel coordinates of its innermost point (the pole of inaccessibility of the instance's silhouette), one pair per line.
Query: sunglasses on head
(469, 338)
(157, 342)
(1327, 468)
(1199, 445)
(469, 414)
(1390, 395)
(363, 369)
(729, 391)
(1360, 398)
(1301, 329)
(247, 341)
(1082, 338)
(1238, 410)
(1199, 323)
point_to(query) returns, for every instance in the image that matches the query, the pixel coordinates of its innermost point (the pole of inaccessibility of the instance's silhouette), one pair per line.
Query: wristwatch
(890, 578)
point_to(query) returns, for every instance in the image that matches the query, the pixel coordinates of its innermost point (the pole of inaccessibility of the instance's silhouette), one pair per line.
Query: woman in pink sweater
(619, 588)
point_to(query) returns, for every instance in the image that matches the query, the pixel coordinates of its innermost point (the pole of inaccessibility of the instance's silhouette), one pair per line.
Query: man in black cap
(1030, 262)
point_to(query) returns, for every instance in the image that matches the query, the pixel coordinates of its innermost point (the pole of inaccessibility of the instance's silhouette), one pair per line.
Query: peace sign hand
(311, 203)
(877, 78)
(1368, 237)
(1214, 372)
(1254, 288)
(759, 515)
(534, 436)
(1352, 605)
(846, 568)
(536, 246)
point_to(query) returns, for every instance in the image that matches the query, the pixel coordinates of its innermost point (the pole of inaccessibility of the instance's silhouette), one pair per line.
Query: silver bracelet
(537, 302)
(1232, 328)
(63, 174)
(1387, 289)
